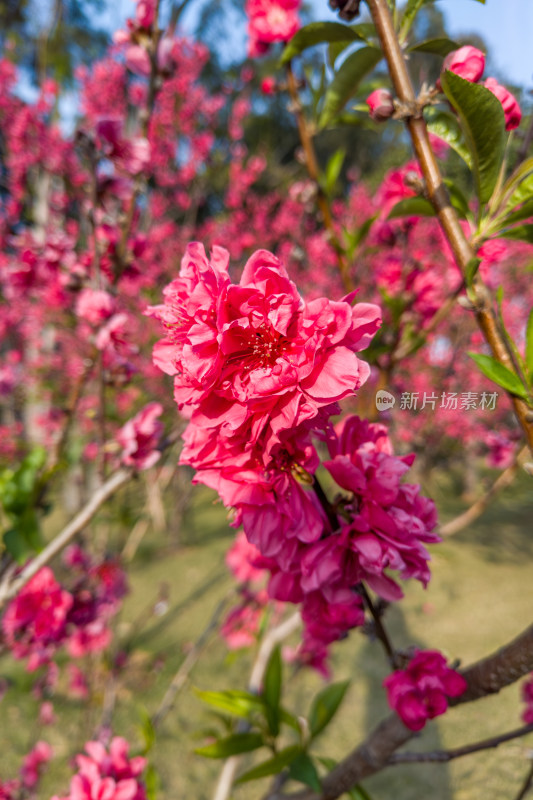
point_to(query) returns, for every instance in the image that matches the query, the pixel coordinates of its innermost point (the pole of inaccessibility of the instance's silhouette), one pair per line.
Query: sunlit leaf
(325, 705)
(232, 745)
(346, 81)
(483, 124)
(499, 374)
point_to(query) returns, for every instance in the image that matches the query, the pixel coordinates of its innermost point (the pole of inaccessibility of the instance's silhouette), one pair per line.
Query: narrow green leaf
(412, 207)
(358, 793)
(520, 233)
(346, 80)
(325, 706)
(232, 745)
(16, 546)
(334, 51)
(318, 33)
(519, 186)
(471, 270)
(439, 47)
(524, 212)
(529, 345)
(457, 199)
(447, 128)
(411, 10)
(272, 690)
(499, 374)
(483, 124)
(303, 769)
(273, 766)
(333, 170)
(240, 704)
(152, 782)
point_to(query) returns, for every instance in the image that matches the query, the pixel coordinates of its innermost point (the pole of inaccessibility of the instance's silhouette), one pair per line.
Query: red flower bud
(511, 109)
(468, 62)
(380, 105)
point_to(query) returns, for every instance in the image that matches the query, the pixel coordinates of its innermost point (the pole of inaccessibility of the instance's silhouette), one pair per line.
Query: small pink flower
(94, 305)
(468, 62)
(145, 13)
(140, 436)
(33, 764)
(421, 690)
(511, 108)
(268, 85)
(380, 104)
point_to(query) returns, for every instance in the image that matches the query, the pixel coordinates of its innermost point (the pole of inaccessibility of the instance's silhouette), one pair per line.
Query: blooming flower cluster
(259, 372)
(44, 616)
(421, 690)
(107, 774)
(469, 63)
(30, 773)
(270, 21)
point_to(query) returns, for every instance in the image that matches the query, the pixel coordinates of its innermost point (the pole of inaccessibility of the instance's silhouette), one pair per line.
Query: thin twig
(272, 638)
(381, 632)
(444, 756)
(476, 509)
(313, 171)
(526, 786)
(438, 195)
(180, 678)
(9, 589)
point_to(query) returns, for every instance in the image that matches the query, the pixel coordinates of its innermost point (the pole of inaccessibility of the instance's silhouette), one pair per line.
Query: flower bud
(268, 85)
(511, 109)
(380, 105)
(468, 62)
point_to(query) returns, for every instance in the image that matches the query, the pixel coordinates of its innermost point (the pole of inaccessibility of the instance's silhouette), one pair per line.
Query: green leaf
(152, 782)
(483, 124)
(411, 10)
(457, 199)
(232, 745)
(519, 186)
(520, 233)
(240, 704)
(325, 706)
(524, 212)
(499, 374)
(303, 769)
(272, 690)
(147, 730)
(333, 170)
(273, 766)
(447, 128)
(16, 546)
(346, 80)
(412, 207)
(358, 793)
(439, 47)
(471, 270)
(529, 344)
(318, 33)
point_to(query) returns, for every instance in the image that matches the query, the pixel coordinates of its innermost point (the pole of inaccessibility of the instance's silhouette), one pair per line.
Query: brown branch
(313, 171)
(485, 677)
(381, 632)
(503, 480)
(444, 756)
(438, 195)
(526, 786)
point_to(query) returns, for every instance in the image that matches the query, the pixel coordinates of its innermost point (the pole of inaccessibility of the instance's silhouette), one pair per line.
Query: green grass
(479, 598)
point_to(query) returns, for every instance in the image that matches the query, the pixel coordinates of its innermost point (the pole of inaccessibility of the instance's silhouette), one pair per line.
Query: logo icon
(384, 400)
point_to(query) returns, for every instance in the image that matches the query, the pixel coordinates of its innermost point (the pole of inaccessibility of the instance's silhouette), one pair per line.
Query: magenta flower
(34, 623)
(421, 690)
(468, 62)
(270, 21)
(107, 775)
(380, 105)
(140, 437)
(511, 108)
(94, 305)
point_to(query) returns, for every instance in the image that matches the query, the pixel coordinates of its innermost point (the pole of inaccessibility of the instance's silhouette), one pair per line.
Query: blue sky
(506, 26)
